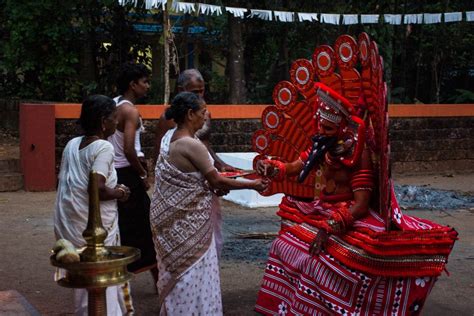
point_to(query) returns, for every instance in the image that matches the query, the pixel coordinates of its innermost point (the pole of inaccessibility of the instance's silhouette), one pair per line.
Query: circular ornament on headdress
(364, 48)
(323, 60)
(272, 118)
(261, 141)
(346, 49)
(284, 94)
(374, 54)
(301, 74)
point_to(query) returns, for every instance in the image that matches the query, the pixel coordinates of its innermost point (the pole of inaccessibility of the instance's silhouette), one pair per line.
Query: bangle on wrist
(144, 176)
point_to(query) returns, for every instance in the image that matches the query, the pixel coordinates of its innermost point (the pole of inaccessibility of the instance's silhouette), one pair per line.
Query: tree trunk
(166, 48)
(235, 63)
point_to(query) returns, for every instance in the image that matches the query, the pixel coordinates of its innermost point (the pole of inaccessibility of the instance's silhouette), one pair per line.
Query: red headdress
(338, 110)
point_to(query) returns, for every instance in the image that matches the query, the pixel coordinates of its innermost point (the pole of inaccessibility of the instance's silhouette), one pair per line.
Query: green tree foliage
(53, 50)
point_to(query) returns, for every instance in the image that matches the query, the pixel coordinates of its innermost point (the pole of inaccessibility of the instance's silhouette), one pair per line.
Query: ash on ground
(419, 197)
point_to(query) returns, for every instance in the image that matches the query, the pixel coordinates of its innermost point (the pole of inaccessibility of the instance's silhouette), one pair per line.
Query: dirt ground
(26, 236)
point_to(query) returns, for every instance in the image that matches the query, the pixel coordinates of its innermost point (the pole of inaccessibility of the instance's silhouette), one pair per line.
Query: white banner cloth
(453, 17)
(261, 14)
(431, 18)
(369, 18)
(236, 12)
(284, 16)
(413, 18)
(209, 9)
(330, 18)
(349, 19)
(183, 7)
(308, 17)
(393, 19)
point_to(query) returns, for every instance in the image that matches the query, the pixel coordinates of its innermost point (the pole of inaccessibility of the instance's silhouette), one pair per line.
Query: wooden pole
(166, 47)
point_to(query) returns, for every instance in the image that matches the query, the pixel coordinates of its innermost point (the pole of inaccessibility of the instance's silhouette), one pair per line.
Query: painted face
(195, 86)
(327, 128)
(141, 87)
(110, 124)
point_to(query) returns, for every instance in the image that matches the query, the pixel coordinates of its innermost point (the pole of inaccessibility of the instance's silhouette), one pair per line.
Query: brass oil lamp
(100, 266)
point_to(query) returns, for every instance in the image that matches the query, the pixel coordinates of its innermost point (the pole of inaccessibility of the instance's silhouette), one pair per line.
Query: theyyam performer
(344, 246)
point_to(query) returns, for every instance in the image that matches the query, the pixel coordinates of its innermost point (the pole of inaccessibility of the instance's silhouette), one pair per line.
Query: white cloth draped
(72, 211)
(236, 12)
(261, 14)
(72, 199)
(369, 18)
(393, 19)
(330, 18)
(183, 7)
(349, 19)
(311, 17)
(431, 18)
(453, 17)
(284, 16)
(209, 9)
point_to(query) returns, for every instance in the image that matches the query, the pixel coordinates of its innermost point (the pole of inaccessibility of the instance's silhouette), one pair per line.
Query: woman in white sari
(81, 155)
(181, 214)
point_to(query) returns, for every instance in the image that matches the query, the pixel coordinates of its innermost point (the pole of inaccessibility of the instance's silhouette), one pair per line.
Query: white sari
(181, 220)
(72, 209)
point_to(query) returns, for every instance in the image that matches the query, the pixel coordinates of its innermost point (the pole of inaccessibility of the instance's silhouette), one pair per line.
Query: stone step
(8, 165)
(11, 181)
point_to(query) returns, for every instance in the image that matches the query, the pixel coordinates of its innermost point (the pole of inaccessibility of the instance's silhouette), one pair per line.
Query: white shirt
(117, 140)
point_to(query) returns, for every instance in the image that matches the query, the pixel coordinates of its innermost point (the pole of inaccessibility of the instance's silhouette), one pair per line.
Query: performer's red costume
(344, 246)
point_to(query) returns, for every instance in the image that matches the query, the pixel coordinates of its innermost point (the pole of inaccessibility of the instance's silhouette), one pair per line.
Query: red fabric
(364, 271)
(296, 283)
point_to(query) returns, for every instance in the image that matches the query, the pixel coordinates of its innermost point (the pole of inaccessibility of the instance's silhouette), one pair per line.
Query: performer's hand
(319, 242)
(264, 168)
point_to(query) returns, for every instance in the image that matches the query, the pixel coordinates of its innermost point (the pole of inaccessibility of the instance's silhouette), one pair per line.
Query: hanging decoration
(287, 16)
(431, 18)
(369, 18)
(183, 7)
(413, 18)
(330, 18)
(311, 17)
(349, 19)
(261, 14)
(393, 19)
(209, 9)
(470, 16)
(284, 16)
(453, 17)
(236, 12)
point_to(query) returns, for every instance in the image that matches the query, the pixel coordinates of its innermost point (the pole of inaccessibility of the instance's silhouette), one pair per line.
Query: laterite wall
(426, 144)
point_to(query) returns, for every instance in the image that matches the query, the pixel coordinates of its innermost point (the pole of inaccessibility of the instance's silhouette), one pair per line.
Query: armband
(280, 169)
(362, 180)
